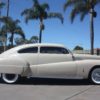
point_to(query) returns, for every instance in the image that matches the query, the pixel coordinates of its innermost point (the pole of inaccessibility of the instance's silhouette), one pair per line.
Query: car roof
(13, 50)
(38, 45)
(41, 44)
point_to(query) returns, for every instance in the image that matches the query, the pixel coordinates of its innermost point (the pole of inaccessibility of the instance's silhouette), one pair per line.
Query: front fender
(84, 67)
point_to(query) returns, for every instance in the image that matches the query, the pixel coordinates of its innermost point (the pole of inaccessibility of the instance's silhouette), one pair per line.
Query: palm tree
(33, 39)
(40, 12)
(1, 6)
(7, 15)
(84, 7)
(2, 36)
(12, 26)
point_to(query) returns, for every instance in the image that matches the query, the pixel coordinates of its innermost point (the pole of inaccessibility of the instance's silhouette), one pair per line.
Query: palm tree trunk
(40, 36)
(0, 16)
(8, 2)
(41, 28)
(12, 40)
(92, 31)
(4, 46)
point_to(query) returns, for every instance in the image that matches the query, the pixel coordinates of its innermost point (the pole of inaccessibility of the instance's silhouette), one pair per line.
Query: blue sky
(68, 34)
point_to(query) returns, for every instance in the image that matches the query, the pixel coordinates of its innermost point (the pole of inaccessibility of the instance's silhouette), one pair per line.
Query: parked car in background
(47, 61)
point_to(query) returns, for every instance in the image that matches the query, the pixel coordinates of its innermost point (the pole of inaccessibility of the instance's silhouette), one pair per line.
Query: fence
(96, 51)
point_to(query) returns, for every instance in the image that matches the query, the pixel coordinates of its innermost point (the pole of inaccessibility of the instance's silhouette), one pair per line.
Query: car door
(55, 62)
(54, 55)
(29, 54)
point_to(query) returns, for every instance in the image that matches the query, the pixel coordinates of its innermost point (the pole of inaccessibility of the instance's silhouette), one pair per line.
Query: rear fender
(13, 65)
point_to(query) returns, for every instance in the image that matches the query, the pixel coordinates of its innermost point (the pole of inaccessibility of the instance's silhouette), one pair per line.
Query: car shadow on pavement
(46, 81)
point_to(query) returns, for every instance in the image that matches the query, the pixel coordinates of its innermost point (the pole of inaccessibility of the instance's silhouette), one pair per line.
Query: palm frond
(34, 39)
(5, 19)
(36, 5)
(82, 16)
(45, 6)
(56, 15)
(17, 21)
(3, 30)
(3, 33)
(78, 9)
(73, 14)
(71, 3)
(20, 32)
(2, 5)
(97, 2)
(28, 14)
(25, 12)
(31, 17)
(36, 2)
(27, 19)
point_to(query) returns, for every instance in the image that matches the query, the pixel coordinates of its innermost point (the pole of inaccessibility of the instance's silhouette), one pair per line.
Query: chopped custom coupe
(47, 61)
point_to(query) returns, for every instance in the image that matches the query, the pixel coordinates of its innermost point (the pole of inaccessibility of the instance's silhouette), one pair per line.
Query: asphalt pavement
(49, 89)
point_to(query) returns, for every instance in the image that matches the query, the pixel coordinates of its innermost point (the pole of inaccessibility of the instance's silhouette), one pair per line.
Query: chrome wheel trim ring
(5, 79)
(95, 76)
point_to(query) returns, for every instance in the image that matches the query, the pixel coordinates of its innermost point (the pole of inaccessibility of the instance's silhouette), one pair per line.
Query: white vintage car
(47, 61)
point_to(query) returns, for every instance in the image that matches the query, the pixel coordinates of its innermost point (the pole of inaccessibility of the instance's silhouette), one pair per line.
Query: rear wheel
(95, 76)
(10, 78)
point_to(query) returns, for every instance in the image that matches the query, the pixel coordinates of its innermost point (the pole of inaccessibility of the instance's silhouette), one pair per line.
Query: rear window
(29, 50)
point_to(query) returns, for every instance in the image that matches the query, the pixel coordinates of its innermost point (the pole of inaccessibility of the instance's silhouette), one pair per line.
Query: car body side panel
(86, 56)
(54, 58)
(84, 67)
(57, 70)
(12, 64)
(68, 70)
(31, 58)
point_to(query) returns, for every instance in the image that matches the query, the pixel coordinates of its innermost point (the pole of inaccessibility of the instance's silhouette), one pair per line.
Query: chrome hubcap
(96, 76)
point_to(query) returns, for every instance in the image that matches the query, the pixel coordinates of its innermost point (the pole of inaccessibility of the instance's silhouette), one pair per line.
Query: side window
(29, 50)
(53, 50)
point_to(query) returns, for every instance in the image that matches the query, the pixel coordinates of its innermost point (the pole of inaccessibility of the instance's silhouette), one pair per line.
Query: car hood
(85, 56)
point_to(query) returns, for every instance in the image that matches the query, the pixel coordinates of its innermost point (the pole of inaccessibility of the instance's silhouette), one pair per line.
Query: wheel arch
(96, 66)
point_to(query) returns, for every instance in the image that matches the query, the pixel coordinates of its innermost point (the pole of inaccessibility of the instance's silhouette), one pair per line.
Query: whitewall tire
(10, 78)
(95, 76)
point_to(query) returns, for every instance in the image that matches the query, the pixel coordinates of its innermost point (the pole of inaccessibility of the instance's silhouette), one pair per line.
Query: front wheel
(10, 78)
(95, 76)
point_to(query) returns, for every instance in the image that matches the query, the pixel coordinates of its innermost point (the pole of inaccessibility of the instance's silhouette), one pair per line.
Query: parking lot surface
(50, 89)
